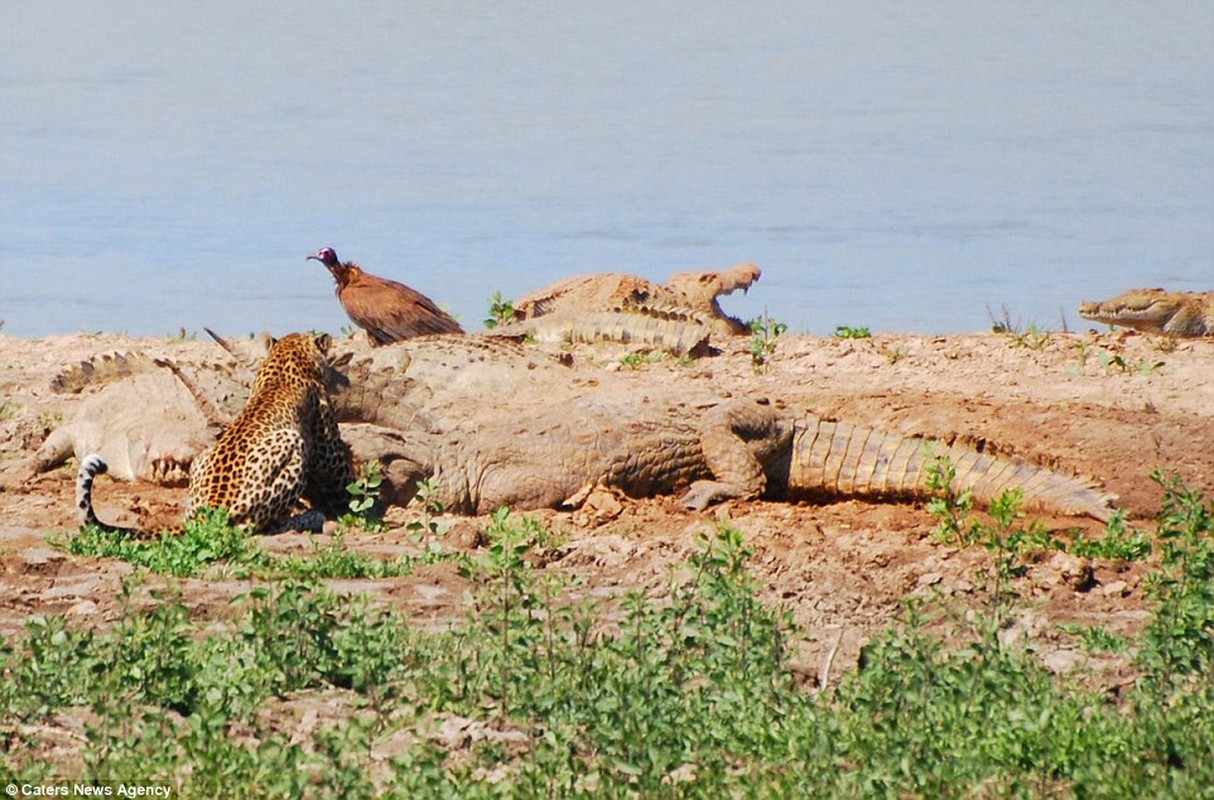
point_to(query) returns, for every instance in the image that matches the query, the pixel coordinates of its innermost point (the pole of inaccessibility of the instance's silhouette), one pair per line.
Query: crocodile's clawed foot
(701, 494)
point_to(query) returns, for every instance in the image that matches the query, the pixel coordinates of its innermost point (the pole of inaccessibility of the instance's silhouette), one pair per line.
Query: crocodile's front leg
(738, 439)
(406, 458)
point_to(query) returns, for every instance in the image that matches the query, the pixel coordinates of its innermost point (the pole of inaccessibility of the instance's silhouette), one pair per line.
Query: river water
(899, 166)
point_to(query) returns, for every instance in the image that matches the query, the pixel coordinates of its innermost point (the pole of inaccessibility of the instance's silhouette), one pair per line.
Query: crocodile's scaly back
(105, 368)
(654, 329)
(432, 375)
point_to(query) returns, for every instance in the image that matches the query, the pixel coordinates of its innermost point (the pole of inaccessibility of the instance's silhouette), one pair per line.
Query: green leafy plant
(208, 542)
(1033, 339)
(639, 360)
(427, 531)
(1141, 366)
(364, 499)
(508, 606)
(1112, 360)
(334, 559)
(1006, 543)
(1180, 640)
(1006, 540)
(501, 311)
(1116, 543)
(764, 331)
(1096, 639)
(206, 538)
(952, 509)
(848, 332)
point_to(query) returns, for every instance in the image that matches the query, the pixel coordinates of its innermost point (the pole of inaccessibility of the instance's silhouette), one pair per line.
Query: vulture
(388, 311)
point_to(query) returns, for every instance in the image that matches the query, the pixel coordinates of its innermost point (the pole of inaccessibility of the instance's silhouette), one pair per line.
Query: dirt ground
(1113, 406)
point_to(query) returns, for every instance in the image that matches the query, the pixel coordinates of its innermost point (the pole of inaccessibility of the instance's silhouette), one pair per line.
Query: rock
(1064, 569)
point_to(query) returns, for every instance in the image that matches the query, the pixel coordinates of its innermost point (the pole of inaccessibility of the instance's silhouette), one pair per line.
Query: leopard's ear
(323, 342)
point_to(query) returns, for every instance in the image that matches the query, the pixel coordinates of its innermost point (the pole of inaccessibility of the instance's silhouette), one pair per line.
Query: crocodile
(433, 409)
(679, 315)
(1182, 314)
(145, 423)
(554, 456)
(151, 441)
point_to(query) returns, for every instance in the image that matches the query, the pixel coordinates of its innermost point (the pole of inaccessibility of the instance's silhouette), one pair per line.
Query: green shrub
(764, 333)
(1116, 543)
(365, 510)
(1179, 642)
(209, 542)
(207, 537)
(501, 311)
(690, 695)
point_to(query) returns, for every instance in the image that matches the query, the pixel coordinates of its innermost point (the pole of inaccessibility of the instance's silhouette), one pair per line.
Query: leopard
(283, 447)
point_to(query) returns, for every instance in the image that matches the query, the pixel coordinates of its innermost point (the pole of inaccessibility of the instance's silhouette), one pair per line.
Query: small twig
(829, 660)
(1062, 315)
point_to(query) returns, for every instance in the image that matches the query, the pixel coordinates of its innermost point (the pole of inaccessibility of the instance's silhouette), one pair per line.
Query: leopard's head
(295, 358)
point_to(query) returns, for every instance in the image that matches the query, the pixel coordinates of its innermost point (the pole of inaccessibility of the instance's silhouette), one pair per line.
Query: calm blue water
(900, 166)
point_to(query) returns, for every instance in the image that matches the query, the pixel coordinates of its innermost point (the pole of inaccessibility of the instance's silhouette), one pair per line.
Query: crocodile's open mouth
(1153, 309)
(741, 277)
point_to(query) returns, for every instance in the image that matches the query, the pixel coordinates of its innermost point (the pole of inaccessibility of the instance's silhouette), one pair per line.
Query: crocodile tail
(845, 459)
(91, 466)
(988, 477)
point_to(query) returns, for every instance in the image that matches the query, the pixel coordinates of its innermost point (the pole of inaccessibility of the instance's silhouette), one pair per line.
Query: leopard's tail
(91, 466)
